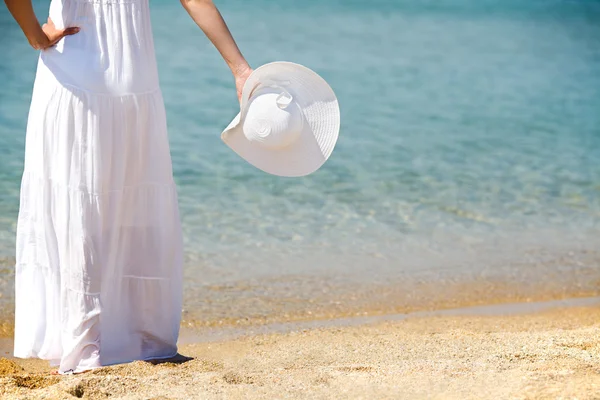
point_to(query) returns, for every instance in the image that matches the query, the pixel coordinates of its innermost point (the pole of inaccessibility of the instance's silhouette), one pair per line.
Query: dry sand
(548, 355)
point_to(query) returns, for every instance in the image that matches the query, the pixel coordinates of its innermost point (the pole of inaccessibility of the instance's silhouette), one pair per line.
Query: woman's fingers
(55, 35)
(240, 80)
(70, 31)
(66, 32)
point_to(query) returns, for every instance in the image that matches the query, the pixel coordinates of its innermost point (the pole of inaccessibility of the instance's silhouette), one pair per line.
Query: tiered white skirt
(99, 246)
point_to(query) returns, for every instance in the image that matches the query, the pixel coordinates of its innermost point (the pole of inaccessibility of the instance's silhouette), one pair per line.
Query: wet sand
(546, 354)
(281, 297)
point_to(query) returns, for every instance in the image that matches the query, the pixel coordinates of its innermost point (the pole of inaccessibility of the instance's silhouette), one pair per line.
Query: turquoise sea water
(470, 143)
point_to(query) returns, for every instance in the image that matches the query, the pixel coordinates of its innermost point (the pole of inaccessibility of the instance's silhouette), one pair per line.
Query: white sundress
(99, 242)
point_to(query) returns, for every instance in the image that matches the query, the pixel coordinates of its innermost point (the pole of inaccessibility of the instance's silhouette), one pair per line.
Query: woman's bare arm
(39, 37)
(206, 15)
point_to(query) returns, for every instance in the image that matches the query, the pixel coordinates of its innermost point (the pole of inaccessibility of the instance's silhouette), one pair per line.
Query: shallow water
(470, 148)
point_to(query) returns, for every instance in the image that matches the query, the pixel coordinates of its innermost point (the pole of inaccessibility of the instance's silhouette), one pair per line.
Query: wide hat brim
(320, 111)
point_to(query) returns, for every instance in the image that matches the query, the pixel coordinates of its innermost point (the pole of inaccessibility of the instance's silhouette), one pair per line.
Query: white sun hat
(289, 120)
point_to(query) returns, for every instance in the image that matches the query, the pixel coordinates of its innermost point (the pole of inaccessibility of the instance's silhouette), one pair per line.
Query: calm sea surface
(470, 146)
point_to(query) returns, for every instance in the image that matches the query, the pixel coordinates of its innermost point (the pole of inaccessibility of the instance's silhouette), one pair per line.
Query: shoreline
(524, 351)
(211, 303)
(374, 301)
(214, 334)
(190, 336)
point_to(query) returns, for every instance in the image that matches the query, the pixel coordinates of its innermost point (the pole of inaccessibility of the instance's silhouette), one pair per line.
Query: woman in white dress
(99, 246)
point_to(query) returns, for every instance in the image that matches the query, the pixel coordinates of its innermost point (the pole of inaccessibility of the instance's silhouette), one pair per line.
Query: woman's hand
(39, 38)
(50, 35)
(240, 79)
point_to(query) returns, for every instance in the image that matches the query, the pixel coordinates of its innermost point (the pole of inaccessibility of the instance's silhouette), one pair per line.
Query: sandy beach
(544, 355)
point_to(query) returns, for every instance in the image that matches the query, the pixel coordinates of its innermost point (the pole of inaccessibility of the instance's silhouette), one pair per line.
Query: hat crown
(273, 120)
